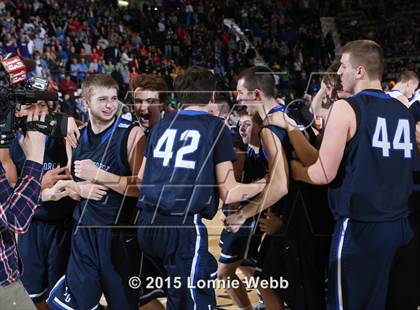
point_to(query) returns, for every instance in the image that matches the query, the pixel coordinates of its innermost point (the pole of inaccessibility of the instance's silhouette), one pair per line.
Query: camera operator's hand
(33, 144)
(53, 176)
(86, 169)
(73, 133)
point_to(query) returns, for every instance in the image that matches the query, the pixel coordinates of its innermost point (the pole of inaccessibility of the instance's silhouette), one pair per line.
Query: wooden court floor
(214, 228)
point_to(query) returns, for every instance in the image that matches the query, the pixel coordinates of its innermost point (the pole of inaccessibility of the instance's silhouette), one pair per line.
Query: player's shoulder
(270, 132)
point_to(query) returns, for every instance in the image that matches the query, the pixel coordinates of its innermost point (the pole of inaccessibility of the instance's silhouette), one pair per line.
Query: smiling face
(147, 107)
(103, 103)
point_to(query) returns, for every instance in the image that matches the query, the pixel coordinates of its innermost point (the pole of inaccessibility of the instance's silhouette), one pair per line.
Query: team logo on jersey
(49, 166)
(123, 125)
(102, 166)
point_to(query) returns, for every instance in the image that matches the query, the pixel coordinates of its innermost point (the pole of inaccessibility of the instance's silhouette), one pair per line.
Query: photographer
(16, 209)
(44, 249)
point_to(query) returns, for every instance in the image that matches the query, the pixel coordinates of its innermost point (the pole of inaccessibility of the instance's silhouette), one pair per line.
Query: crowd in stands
(71, 39)
(288, 36)
(393, 24)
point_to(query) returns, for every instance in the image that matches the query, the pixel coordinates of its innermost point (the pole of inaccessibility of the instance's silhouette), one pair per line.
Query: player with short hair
(186, 167)
(149, 93)
(405, 87)
(104, 164)
(236, 247)
(256, 90)
(370, 180)
(330, 91)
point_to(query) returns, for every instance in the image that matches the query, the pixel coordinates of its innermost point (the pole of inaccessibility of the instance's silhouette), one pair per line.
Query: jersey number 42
(165, 145)
(402, 133)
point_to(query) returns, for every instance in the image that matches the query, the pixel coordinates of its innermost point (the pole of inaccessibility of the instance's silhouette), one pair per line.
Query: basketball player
(256, 90)
(405, 87)
(104, 164)
(186, 167)
(235, 247)
(370, 180)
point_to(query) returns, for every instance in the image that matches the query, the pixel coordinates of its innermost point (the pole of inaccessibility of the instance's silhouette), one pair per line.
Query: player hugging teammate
(142, 190)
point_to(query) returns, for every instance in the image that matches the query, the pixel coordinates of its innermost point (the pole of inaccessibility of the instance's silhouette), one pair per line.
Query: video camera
(16, 91)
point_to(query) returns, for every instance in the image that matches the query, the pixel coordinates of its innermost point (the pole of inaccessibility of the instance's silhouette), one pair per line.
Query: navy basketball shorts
(102, 260)
(44, 250)
(240, 245)
(360, 263)
(182, 245)
(404, 281)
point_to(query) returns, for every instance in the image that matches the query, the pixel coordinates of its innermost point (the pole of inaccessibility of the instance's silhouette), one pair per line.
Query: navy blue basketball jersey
(55, 156)
(375, 177)
(255, 166)
(182, 152)
(106, 154)
(415, 110)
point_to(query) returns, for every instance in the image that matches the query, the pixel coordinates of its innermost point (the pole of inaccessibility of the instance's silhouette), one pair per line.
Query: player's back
(374, 180)
(182, 152)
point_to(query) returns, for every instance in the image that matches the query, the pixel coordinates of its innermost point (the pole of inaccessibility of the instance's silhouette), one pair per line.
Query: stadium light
(122, 3)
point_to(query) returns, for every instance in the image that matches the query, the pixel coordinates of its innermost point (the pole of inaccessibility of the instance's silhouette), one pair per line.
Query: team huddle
(123, 199)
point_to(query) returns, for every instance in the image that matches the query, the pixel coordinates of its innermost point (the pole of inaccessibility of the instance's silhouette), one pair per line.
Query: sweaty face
(247, 97)
(103, 104)
(147, 107)
(245, 128)
(347, 73)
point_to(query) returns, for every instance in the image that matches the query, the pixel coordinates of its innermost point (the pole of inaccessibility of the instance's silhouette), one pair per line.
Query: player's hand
(73, 133)
(33, 144)
(85, 169)
(282, 120)
(61, 189)
(234, 221)
(323, 87)
(92, 191)
(271, 223)
(51, 177)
